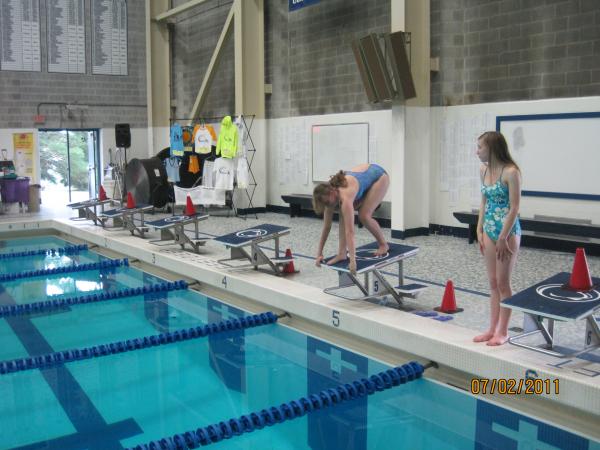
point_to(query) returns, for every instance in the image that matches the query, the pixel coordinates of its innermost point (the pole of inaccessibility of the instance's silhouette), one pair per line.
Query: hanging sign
(297, 4)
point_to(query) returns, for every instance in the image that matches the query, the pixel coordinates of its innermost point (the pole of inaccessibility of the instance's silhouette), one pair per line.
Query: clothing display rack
(246, 142)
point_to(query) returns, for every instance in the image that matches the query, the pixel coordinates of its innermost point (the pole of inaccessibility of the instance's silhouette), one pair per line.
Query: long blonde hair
(322, 191)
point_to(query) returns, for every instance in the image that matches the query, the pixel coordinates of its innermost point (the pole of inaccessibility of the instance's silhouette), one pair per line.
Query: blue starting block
(256, 257)
(370, 266)
(126, 216)
(552, 300)
(172, 230)
(88, 209)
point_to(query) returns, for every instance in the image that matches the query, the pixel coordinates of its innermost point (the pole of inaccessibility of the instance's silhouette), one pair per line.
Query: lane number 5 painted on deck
(335, 318)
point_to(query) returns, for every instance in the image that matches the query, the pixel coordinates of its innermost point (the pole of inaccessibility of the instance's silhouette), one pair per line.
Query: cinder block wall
(21, 92)
(194, 39)
(489, 51)
(308, 57)
(506, 50)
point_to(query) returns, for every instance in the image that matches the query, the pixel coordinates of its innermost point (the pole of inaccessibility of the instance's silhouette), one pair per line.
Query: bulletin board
(558, 154)
(338, 147)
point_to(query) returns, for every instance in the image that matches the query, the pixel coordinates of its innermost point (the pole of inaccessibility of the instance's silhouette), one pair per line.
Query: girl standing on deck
(498, 228)
(362, 189)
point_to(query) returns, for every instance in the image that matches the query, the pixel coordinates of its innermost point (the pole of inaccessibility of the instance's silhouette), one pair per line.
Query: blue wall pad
(57, 358)
(48, 305)
(65, 269)
(287, 411)
(69, 250)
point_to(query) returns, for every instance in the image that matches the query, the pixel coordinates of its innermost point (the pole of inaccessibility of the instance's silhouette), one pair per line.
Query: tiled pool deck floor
(440, 258)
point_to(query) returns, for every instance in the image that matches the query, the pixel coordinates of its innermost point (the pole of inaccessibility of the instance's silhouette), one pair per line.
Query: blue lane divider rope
(65, 269)
(287, 411)
(56, 358)
(68, 250)
(48, 305)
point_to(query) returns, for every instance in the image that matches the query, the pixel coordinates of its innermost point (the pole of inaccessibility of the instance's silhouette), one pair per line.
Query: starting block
(127, 217)
(550, 300)
(252, 238)
(87, 210)
(172, 230)
(370, 267)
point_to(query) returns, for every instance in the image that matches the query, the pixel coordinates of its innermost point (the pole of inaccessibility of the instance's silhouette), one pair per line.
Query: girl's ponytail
(338, 180)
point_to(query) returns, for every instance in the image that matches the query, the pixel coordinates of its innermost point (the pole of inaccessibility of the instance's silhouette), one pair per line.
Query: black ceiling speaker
(396, 43)
(364, 72)
(122, 135)
(384, 76)
(375, 63)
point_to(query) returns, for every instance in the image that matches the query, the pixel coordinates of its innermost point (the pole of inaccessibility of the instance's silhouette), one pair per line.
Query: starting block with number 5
(370, 267)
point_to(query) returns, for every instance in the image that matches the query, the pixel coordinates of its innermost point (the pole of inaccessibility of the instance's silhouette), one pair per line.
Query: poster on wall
(20, 35)
(109, 37)
(23, 154)
(66, 36)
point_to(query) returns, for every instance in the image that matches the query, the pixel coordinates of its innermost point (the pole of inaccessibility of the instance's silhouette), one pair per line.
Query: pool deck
(449, 344)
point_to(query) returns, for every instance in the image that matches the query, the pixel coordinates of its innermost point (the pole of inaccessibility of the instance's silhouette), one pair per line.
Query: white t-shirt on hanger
(224, 172)
(208, 179)
(202, 141)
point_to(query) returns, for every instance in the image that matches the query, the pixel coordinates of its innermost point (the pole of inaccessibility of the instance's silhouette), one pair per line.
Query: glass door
(82, 164)
(70, 163)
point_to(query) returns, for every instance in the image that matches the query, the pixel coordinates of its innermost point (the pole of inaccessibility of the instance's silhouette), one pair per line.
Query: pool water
(123, 400)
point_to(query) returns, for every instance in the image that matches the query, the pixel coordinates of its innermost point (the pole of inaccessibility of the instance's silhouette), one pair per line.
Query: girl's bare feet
(498, 339)
(337, 259)
(382, 250)
(484, 337)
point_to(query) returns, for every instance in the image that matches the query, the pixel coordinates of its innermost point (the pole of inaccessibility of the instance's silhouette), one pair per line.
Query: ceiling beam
(178, 10)
(214, 61)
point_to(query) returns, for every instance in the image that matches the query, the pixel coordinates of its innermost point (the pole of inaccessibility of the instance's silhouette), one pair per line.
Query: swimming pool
(131, 398)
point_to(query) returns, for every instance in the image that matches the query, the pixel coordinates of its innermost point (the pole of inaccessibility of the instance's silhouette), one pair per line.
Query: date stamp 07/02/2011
(515, 386)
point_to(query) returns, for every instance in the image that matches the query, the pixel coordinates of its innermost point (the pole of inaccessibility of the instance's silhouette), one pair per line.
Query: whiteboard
(338, 147)
(559, 154)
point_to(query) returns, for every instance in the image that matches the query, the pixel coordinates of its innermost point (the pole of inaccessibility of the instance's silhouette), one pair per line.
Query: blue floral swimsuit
(497, 205)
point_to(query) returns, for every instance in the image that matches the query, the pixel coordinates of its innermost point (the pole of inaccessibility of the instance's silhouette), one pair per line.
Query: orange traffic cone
(580, 275)
(130, 201)
(448, 305)
(289, 267)
(189, 207)
(102, 194)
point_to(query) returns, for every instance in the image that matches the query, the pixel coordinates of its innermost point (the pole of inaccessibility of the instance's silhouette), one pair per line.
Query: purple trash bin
(15, 190)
